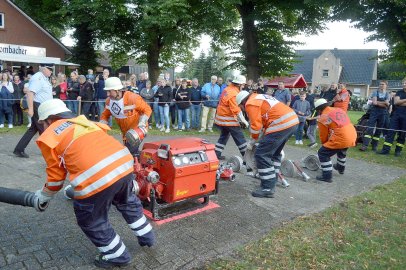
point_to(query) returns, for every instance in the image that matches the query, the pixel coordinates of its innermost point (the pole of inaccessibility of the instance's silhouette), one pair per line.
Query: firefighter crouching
(229, 118)
(130, 111)
(101, 172)
(337, 134)
(277, 122)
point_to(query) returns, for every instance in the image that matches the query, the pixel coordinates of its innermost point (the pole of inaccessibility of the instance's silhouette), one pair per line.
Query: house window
(325, 72)
(1, 20)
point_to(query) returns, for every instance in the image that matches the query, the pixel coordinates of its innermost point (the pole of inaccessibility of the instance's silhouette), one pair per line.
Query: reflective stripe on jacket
(93, 159)
(336, 129)
(228, 109)
(268, 115)
(134, 107)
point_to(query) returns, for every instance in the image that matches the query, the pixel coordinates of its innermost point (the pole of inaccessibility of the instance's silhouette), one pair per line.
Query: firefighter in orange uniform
(129, 109)
(100, 171)
(277, 122)
(229, 117)
(337, 134)
(342, 99)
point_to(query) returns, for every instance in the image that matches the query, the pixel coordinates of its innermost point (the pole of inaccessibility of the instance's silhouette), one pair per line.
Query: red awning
(291, 81)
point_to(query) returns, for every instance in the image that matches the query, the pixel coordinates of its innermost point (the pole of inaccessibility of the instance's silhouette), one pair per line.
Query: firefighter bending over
(277, 122)
(229, 118)
(101, 173)
(337, 134)
(130, 111)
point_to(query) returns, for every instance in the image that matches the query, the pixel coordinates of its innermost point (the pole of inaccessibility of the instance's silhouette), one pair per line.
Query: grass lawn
(364, 232)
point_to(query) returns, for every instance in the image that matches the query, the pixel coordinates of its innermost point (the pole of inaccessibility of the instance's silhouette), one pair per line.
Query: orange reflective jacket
(268, 114)
(93, 159)
(228, 109)
(342, 99)
(336, 129)
(126, 111)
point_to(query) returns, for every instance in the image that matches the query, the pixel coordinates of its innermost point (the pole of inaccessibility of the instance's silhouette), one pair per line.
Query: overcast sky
(340, 35)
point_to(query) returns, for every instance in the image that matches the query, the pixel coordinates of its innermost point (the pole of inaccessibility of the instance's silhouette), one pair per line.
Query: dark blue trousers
(377, 117)
(92, 217)
(268, 156)
(325, 155)
(238, 137)
(397, 122)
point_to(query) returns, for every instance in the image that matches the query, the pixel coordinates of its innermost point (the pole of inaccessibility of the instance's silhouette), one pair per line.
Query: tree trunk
(153, 52)
(250, 44)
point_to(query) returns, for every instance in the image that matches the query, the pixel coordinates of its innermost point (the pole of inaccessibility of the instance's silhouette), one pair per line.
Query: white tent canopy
(34, 59)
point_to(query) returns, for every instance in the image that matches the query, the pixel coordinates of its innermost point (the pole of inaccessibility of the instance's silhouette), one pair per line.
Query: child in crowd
(302, 109)
(311, 128)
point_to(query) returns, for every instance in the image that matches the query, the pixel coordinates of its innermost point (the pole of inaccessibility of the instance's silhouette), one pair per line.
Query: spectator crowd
(180, 105)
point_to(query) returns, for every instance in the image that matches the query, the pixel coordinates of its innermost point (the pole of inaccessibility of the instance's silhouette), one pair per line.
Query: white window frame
(1, 20)
(323, 73)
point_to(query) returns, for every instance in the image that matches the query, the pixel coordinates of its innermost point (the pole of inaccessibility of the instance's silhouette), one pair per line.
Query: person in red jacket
(101, 173)
(342, 99)
(337, 134)
(129, 109)
(229, 117)
(277, 122)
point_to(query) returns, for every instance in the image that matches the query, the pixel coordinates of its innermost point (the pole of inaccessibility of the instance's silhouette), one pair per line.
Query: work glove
(251, 144)
(142, 123)
(242, 120)
(166, 105)
(43, 197)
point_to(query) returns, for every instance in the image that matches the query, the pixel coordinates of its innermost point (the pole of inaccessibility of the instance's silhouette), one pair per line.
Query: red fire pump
(176, 171)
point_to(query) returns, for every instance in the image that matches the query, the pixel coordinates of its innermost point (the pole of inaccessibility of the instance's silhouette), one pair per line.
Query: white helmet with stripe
(241, 96)
(51, 107)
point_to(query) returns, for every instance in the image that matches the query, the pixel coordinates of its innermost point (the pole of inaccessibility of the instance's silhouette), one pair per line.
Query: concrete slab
(52, 240)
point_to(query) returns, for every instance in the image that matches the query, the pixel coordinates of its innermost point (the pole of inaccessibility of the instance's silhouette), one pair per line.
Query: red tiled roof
(291, 81)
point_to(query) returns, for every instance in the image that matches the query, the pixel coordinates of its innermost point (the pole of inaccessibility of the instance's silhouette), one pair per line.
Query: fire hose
(20, 197)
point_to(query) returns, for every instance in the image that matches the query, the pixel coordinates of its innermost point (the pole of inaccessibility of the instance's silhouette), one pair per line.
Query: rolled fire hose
(249, 157)
(311, 162)
(288, 169)
(20, 197)
(236, 163)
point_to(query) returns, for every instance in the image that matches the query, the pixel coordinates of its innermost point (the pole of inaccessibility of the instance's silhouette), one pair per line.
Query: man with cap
(130, 111)
(337, 134)
(229, 118)
(277, 122)
(40, 90)
(101, 174)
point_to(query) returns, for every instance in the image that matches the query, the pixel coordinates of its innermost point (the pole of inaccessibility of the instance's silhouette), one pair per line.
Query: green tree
(384, 19)
(81, 16)
(266, 26)
(84, 52)
(46, 13)
(391, 70)
(204, 66)
(156, 32)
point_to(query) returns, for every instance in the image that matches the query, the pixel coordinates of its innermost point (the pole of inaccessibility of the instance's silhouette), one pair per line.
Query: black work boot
(339, 168)
(398, 150)
(263, 193)
(363, 148)
(326, 176)
(374, 145)
(101, 262)
(385, 150)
